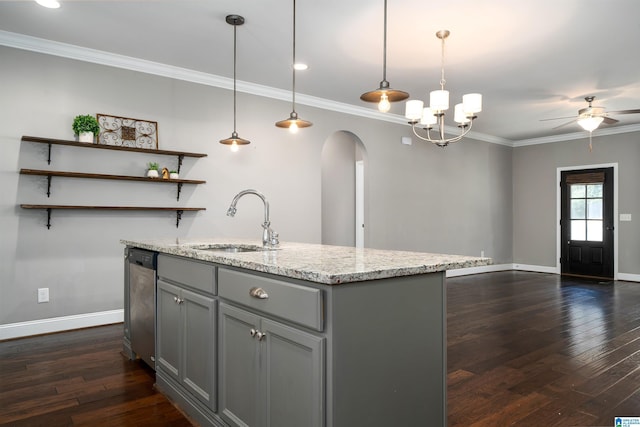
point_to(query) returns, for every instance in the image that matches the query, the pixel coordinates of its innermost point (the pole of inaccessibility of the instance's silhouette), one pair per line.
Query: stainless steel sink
(230, 248)
(235, 249)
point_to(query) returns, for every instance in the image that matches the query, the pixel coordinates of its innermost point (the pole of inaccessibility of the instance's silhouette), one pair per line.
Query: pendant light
(234, 141)
(293, 123)
(384, 95)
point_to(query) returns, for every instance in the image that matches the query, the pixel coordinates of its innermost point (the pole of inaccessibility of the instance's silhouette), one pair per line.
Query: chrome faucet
(269, 237)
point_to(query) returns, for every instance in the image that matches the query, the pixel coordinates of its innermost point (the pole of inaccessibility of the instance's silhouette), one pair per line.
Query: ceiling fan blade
(609, 120)
(566, 124)
(624, 112)
(558, 118)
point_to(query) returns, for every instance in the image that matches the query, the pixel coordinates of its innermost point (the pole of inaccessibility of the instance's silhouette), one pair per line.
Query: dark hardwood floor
(524, 349)
(79, 378)
(533, 349)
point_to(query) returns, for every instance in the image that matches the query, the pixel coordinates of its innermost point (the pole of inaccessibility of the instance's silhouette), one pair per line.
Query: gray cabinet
(271, 374)
(185, 341)
(237, 347)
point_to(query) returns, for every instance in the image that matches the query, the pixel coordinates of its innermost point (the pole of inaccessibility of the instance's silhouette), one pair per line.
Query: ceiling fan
(590, 117)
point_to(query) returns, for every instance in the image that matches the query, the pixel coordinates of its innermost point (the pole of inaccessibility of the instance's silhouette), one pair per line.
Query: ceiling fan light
(472, 103)
(51, 4)
(590, 123)
(439, 100)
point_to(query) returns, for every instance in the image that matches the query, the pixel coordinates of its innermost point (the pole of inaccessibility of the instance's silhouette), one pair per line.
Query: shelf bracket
(49, 155)
(48, 185)
(48, 218)
(180, 158)
(179, 190)
(178, 217)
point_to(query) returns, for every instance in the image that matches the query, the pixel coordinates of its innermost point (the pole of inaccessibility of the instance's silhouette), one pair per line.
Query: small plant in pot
(152, 171)
(85, 127)
(174, 175)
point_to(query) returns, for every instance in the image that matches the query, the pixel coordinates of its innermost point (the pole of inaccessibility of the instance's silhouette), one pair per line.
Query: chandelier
(464, 113)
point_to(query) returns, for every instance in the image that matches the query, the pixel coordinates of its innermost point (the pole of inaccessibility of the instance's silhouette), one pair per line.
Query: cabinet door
(198, 356)
(168, 329)
(239, 371)
(293, 372)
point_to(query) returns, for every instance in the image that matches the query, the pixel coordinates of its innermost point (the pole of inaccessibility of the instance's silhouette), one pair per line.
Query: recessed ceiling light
(51, 4)
(300, 66)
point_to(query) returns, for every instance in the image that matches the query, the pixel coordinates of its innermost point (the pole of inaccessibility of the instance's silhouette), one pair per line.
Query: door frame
(359, 219)
(559, 171)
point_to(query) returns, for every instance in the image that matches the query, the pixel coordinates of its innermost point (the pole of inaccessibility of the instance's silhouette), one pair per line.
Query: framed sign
(126, 132)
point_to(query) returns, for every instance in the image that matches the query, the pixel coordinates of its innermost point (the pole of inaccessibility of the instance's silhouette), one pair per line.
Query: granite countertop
(326, 264)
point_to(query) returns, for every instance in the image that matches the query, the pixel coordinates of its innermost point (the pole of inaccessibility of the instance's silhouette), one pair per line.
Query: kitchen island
(301, 335)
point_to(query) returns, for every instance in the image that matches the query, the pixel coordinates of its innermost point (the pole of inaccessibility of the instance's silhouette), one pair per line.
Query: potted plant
(85, 127)
(152, 171)
(174, 175)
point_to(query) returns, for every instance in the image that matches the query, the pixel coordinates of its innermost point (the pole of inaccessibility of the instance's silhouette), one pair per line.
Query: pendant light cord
(384, 47)
(293, 66)
(235, 28)
(442, 80)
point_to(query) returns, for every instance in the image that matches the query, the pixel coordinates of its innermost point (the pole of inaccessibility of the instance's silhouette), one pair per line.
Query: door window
(586, 212)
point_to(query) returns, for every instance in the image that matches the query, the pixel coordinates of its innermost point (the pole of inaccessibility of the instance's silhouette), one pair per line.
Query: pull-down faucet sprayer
(269, 237)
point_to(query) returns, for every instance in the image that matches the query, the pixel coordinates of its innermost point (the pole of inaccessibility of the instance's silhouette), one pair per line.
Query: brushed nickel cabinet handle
(258, 293)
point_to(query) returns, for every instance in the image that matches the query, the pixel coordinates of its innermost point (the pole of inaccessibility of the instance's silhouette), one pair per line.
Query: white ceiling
(531, 60)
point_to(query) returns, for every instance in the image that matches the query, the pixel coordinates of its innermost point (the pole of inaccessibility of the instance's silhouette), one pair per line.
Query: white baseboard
(59, 324)
(478, 270)
(526, 267)
(629, 277)
(535, 268)
(501, 267)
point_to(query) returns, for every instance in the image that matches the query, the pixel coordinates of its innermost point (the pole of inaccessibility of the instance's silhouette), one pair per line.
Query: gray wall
(535, 195)
(456, 200)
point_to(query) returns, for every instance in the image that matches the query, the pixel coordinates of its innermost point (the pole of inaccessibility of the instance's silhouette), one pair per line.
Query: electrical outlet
(43, 295)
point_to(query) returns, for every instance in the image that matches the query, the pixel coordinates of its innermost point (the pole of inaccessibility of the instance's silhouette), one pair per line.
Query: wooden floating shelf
(64, 174)
(49, 208)
(51, 141)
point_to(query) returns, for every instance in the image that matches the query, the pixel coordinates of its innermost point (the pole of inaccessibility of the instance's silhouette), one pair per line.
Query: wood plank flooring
(524, 349)
(79, 378)
(533, 349)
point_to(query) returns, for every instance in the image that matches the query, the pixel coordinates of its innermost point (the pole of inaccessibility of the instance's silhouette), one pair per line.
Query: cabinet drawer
(296, 303)
(196, 274)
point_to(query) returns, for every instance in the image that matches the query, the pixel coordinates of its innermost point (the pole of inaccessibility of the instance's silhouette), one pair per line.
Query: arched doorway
(344, 190)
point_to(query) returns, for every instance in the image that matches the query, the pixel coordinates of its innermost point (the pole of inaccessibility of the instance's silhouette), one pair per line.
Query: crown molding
(577, 135)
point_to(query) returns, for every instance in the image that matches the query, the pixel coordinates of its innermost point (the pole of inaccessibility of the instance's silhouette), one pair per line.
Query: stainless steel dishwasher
(142, 300)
